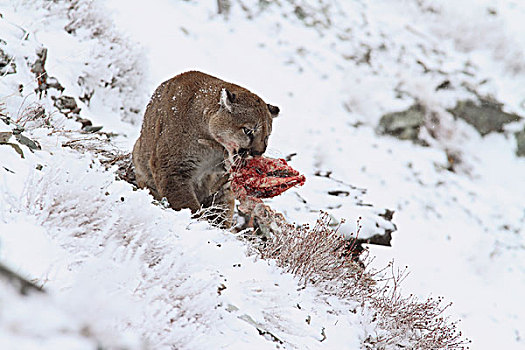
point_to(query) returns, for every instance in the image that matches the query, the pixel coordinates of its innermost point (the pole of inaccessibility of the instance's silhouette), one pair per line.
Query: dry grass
(320, 256)
(35, 113)
(410, 322)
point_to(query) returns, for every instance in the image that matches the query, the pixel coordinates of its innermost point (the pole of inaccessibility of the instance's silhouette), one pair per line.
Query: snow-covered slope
(120, 271)
(331, 66)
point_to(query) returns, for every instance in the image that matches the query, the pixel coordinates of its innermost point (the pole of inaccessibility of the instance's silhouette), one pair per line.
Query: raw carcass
(258, 178)
(263, 177)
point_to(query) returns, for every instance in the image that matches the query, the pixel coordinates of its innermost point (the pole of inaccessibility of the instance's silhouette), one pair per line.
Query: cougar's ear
(227, 99)
(274, 110)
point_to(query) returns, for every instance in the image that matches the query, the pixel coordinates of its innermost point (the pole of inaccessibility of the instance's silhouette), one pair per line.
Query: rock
(5, 136)
(38, 67)
(339, 193)
(27, 142)
(520, 140)
(300, 13)
(404, 125)
(84, 122)
(53, 83)
(260, 328)
(223, 7)
(91, 128)
(383, 238)
(67, 105)
(17, 129)
(16, 148)
(7, 64)
(486, 116)
(444, 85)
(24, 286)
(44, 81)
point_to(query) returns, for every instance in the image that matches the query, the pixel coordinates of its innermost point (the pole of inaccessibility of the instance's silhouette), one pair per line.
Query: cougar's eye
(247, 131)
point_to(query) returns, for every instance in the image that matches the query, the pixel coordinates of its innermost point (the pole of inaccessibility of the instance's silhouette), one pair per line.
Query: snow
(146, 271)
(122, 272)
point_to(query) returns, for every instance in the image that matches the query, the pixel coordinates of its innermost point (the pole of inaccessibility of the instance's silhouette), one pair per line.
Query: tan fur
(193, 127)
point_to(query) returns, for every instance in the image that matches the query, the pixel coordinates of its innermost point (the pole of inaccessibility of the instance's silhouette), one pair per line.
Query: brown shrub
(320, 256)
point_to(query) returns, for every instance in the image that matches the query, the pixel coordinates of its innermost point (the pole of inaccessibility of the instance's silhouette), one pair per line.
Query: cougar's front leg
(221, 203)
(175, 182)
(179, 191)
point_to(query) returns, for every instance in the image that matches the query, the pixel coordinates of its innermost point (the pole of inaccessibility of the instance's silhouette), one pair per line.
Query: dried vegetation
(319, 256)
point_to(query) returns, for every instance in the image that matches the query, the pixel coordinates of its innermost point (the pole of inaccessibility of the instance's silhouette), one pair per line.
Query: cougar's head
(243, 123)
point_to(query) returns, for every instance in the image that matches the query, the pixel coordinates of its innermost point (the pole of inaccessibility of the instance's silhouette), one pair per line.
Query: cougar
(194, 128)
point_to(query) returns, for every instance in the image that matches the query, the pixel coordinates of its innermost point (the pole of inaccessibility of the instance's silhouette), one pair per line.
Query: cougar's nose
(256, 153)
(243, 152)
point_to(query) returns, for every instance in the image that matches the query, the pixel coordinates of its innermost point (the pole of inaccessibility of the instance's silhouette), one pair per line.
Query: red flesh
(263, 177)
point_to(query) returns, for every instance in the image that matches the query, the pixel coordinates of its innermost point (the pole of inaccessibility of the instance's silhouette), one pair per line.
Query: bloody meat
(263, 177)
